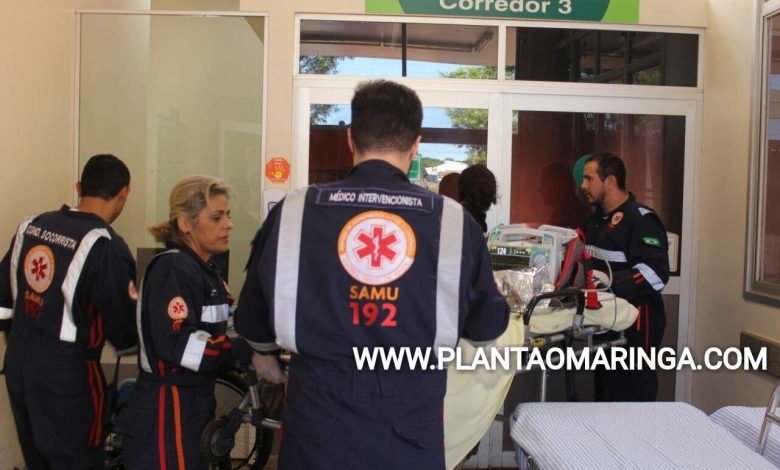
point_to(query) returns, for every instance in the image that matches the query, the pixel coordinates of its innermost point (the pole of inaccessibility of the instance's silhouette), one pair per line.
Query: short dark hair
(610, 164)
(104, 176)
(477, 187)
(385, 116)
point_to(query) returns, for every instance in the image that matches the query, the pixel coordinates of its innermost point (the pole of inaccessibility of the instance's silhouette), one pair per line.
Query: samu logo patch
(651, 241)
(376, 247)
(39, 268)
(177, 308)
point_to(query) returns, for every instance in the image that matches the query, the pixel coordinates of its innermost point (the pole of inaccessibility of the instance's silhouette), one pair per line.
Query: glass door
(176, 94)
(455, 135)
(545, 135)
(530, 139)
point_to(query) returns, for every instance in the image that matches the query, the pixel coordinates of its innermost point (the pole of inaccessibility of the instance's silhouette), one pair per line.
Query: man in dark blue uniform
(369, 261)
(632, 239)
(66, 286)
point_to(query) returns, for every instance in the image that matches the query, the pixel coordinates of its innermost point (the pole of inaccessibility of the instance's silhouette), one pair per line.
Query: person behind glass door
(448, 186)
(477, 190)
(183, 313)
(66, 286)
(560, 195)
(632, 238)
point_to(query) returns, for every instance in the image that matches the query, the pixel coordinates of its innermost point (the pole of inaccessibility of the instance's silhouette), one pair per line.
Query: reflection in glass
(543, 189)
(602, 56)
(452, 139)
(769, 219)
(364, 48)
(175, 96)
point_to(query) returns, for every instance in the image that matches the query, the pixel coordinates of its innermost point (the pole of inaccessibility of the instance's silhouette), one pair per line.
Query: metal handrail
(769, 418)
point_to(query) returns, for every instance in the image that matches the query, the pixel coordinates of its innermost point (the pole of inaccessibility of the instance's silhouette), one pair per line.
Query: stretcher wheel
(218, 442)
(229, 447)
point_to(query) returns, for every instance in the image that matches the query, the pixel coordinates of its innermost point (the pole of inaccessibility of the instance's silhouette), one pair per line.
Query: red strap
(96, 390)
(177, 427)
(592, 297)
(639, 318)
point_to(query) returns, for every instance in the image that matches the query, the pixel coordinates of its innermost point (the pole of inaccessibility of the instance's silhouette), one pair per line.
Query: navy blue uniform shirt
(633, 239)
(369, 261)
(73, 281)
(183, 319)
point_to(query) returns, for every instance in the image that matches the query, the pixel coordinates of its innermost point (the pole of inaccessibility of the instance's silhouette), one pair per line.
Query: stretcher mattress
(615, 314)
(627, 436)
(745, 424)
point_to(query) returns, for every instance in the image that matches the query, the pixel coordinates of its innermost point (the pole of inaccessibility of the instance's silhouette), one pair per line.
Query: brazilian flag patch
(651, 241)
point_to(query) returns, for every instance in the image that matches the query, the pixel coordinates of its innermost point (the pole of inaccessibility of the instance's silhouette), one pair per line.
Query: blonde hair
(188, 198)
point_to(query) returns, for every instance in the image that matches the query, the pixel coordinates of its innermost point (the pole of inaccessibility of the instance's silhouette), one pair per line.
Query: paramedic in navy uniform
(632, 238)
(183, 312)
(369, 261)
(66, 286)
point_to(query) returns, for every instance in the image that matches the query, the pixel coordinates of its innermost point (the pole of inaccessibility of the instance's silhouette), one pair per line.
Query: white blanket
(627, 436)
(474, 397)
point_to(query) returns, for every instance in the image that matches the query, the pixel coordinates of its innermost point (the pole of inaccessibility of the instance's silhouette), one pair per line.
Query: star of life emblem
(39, 268)
(177, 308)
(376, 247)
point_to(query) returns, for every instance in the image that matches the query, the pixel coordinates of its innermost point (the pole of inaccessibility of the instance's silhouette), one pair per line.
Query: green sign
(414, 169)
(611, 11)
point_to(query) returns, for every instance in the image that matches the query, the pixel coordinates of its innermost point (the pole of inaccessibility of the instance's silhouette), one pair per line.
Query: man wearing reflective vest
(367, 262)
(66, 286)
(632, 239)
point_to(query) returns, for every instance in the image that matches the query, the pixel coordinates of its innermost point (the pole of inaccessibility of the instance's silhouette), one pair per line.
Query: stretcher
(754, 426)
(671, 435)
(744, 423)
(474, 398)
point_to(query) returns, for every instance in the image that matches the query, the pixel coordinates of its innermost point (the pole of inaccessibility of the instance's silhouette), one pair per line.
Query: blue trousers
(336, 417)
(162, 423)
(57, 399)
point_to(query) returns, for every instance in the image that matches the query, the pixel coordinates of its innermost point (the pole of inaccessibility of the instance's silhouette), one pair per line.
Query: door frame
(501, 99)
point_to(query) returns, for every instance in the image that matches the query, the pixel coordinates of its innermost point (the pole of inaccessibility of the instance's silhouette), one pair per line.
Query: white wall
(722, 313)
